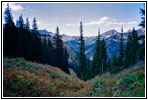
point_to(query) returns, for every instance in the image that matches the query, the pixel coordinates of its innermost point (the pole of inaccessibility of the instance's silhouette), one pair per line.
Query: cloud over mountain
(14, 6)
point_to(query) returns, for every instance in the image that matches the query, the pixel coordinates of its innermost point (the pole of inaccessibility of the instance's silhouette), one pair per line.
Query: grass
(22, 78)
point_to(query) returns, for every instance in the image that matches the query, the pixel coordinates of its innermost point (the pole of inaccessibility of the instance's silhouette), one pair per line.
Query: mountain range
(111, 37)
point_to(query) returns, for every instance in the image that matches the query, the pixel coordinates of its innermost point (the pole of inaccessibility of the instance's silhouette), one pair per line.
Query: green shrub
(127, 82)
(77, 86)
(53, 75)
(96, 84)
(38, 73)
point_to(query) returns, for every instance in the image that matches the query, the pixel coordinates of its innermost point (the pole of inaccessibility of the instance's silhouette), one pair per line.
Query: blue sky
(67, 16)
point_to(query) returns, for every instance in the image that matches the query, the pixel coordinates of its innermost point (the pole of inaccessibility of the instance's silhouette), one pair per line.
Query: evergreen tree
(82, 59)
(114, 66)
(10, 34)
(21, 37)
(89, 72)
(134, 46)
(44, 51)
(66, 65)
(50, 52)
(141, 49)
(27, 24)
(8, 17)
(128, 50)
(34, 26)
(58, 49)
(27, 39)
(121, 49)
(97, 56)
(36, 53)
(61, 56)
(142, 12)
(131, 47)
(100, 56)
(21, 22)
(103, 56)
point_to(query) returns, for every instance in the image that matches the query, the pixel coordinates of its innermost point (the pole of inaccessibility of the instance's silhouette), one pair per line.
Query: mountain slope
(73, 56)
(45, 32)
(129, 82)
(26, 79)
(23, 78)
(112, 39)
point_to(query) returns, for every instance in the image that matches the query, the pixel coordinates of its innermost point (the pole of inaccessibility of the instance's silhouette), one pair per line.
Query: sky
(67, 16)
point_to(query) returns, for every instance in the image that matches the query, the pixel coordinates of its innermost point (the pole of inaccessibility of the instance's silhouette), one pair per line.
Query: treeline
(21, 41)
(133, 52)
(130, 54)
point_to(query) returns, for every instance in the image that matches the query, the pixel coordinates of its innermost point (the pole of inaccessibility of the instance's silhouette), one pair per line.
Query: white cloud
(134, 22)
(72, 24)
(103, 19)
(106, 21)
(13, 6)
(39, 22)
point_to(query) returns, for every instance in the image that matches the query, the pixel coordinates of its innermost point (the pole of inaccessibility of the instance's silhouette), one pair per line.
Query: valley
(86, 52)
(112, 39)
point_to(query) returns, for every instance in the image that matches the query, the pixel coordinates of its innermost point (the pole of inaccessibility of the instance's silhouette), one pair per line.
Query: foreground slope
(23, 78)
(26, 79)
(129, 82)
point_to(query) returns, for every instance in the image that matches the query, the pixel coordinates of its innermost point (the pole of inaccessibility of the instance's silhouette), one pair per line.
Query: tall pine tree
(36, 53)
(131, 47)
(103, 56)
(66, 65)
(114, 65)
(10, 34)
(21, 22)
(58, 49)
(128, 52)
(141, 49)
(89, 71)
(97, 56)
(100, 56)
(50, 52)
(22, 33)
(134, 46)
(44, 51)
(59, 52)
(27, 24)
(82, 59)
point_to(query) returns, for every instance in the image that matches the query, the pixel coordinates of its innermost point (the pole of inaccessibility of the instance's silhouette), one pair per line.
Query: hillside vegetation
(22, 78)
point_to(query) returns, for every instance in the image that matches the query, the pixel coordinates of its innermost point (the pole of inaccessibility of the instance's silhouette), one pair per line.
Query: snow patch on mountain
(45, 32)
